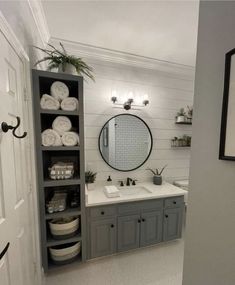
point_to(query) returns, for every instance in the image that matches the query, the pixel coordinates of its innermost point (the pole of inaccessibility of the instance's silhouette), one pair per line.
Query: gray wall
(210, 236)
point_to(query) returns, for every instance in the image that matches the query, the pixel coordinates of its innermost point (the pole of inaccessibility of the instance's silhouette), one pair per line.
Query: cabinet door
(103, 237)
(151, 228)
(172, 226)
(128, 232)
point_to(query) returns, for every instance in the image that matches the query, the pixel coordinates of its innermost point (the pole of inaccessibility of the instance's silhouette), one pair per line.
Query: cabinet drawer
(129, 208)
(136, 208)
(102, 212)
(150, 205)
(174, 202)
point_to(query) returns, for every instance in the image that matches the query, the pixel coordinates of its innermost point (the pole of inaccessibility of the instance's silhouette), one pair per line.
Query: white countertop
(97, 196)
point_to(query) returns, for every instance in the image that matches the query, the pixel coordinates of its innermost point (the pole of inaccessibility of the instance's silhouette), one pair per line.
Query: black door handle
(4, 251)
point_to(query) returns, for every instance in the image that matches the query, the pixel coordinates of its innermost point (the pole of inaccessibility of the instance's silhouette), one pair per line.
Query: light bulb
(145, 97)
(114, 93)
(130, 95)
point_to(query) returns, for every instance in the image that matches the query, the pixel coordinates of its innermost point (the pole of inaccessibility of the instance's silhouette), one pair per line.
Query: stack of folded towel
(59, 98)
(61, 170)
(111, 191)
(60, 134)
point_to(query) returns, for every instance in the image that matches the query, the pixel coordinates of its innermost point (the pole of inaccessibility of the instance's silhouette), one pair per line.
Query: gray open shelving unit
(42, 81)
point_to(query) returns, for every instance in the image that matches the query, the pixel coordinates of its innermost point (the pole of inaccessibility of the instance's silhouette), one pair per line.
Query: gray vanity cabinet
(125, 226)
(103, 237)
(128, 232)
(151, 228)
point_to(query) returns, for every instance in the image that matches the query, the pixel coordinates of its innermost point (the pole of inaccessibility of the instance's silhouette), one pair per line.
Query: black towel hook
(4, 250)
(5, 128)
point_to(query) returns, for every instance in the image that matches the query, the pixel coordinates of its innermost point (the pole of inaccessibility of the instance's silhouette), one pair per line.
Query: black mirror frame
(151, 137)
(223, 128)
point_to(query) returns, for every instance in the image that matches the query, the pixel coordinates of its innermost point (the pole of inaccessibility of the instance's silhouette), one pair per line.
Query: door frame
(20, 51)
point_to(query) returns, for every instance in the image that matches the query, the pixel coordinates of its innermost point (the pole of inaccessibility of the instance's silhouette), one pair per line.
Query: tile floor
(157, 265)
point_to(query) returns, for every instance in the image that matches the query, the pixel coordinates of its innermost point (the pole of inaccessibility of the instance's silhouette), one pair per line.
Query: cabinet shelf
(54, 242)
(60, 148)
(64, 182)
(66, 213)
(59, 112)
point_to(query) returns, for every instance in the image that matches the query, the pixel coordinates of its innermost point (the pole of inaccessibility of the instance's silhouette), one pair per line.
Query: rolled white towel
(49, 103)
(51, 138)
(70, 139)
(69, 104)
(61, 124)
(59, 90)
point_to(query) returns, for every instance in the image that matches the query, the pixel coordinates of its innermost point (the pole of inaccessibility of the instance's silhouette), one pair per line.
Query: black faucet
(128, 180)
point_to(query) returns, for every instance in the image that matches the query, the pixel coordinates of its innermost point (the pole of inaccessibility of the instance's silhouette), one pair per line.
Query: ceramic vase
(157, 179)
(180, 119)
(68, 68)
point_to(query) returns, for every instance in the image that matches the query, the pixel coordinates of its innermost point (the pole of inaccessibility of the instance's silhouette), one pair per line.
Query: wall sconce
(128, 102)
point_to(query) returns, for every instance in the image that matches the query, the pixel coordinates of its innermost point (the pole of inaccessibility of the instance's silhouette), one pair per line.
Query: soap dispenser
(109, 180)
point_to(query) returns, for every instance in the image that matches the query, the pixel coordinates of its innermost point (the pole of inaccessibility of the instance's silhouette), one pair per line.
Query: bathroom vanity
(133, 220)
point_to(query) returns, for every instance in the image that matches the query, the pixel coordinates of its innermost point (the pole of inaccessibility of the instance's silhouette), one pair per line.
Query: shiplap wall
(167, 93)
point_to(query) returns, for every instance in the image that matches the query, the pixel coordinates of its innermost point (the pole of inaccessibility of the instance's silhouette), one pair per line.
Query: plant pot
(68, 68)
(90, 186)
(180, 119)
(157, 179)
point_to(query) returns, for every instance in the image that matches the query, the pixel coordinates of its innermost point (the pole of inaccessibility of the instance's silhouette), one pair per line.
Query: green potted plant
(174, 142)
(190, 114)
(90, 177)
(64, 62)
(157, 175)
(180, 117)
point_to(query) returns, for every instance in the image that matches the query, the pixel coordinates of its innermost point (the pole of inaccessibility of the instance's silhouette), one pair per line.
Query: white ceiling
(164, 30)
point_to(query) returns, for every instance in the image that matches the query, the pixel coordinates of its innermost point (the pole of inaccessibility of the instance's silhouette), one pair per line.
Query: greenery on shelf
(181, 112)
(184, 141)
(57, 58)
(190, 111)
(90, 177)
(158, 171)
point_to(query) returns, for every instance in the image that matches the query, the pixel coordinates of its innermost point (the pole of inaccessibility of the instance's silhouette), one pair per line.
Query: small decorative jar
(157, 179)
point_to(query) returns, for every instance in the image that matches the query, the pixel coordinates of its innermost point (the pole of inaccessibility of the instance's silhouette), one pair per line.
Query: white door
(16, 266)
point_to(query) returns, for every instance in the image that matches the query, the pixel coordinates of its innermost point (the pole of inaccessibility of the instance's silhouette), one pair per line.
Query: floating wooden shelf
(183, 123)
(181, 147)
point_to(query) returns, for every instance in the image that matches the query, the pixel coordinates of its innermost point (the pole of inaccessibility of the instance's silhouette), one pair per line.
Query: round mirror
(125, 142)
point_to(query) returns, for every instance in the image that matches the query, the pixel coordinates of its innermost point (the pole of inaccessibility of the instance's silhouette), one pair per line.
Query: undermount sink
(133, 190)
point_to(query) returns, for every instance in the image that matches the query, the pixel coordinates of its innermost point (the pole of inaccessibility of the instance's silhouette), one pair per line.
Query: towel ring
(5, 128)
